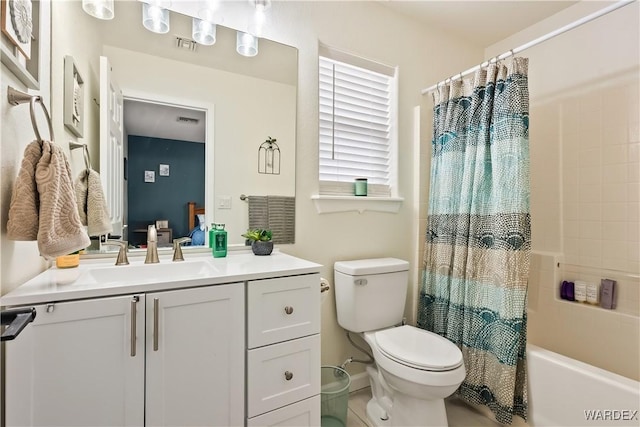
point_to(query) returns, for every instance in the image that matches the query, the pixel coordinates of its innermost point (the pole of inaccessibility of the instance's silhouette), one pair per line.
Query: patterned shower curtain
(476, 262)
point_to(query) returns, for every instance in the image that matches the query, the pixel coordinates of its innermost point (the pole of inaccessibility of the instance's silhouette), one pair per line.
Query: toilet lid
(419, 348)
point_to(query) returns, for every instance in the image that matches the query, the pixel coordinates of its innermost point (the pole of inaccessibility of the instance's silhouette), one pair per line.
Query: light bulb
(203, 32)
(246, 44)
(155, 18)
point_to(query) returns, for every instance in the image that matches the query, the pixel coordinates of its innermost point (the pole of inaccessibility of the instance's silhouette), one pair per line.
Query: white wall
(585, 182)
(367, 29)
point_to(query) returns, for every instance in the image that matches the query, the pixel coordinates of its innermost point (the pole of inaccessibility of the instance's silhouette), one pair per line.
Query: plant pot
(262, 248)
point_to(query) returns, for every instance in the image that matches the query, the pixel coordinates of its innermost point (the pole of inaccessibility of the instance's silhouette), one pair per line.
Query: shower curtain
(478, 239)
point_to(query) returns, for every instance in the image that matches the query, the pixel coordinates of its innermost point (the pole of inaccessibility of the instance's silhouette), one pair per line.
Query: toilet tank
(370, 293)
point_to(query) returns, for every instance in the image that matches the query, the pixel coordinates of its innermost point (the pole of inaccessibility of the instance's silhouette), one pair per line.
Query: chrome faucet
(122, 253)
(177, 249)
(152, 246)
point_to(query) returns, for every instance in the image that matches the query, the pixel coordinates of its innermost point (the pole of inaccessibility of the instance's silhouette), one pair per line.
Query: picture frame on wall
(19, 53)
(164, 170)
(73, 98)
(17, 24)
(149, 176)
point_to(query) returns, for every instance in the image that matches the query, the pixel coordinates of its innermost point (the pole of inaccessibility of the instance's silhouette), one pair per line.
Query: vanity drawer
(282, 373)
(282, 309)
(304, 413)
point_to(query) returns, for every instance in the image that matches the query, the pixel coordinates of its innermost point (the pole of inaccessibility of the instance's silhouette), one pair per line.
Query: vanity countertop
(99, 277)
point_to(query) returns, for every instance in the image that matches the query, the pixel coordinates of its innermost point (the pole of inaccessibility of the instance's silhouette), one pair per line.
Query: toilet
(414, 369)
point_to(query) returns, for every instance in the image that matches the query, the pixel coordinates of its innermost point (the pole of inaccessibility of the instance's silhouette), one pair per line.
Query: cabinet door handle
(288, 375)
(134, 312)
(288, 309)
(155, 324)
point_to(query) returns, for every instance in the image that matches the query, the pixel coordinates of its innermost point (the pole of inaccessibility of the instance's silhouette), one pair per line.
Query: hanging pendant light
(155, 17)
(246, 44)
(203, 32)
(101, 9)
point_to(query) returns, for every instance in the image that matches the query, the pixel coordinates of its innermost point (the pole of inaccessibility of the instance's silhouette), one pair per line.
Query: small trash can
(334, 396)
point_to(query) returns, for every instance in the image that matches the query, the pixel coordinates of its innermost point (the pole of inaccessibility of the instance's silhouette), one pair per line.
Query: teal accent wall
(167, 197)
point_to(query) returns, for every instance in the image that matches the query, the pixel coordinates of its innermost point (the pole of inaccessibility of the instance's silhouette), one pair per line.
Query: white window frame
(338, 196)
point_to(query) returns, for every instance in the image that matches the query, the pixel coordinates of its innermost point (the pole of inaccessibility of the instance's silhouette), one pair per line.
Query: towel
(43, 205)
(276, 213)
(25, 201)
(258, 212)
(92, 205)
(282, 218)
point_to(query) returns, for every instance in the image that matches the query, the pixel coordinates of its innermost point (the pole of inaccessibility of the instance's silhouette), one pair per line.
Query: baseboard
(359, 381)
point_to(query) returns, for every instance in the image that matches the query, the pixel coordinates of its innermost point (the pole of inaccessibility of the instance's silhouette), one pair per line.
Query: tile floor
(459, 414)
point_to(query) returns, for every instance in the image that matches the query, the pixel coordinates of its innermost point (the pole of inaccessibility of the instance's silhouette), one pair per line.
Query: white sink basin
(152, 273)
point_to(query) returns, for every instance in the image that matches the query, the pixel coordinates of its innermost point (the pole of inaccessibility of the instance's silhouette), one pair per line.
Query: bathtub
(566, 392)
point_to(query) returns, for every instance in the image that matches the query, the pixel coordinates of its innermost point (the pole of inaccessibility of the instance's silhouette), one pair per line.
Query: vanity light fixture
(101, 9)
(203, 31)
(246, 44)
(155, 16)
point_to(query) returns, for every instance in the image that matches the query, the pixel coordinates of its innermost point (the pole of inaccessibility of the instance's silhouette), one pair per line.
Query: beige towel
(92, 205)
(49, 188)
(25, 203)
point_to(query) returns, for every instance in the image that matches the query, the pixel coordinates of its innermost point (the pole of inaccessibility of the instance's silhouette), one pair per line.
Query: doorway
(165, 168)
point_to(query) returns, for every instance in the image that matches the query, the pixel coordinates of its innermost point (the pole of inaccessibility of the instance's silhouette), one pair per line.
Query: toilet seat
(418, 349)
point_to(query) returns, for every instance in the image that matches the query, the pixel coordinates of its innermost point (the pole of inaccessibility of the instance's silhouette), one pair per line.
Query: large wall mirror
(194, 119)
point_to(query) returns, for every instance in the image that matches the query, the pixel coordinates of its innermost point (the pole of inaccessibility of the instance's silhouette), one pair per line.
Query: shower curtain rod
(532, 43)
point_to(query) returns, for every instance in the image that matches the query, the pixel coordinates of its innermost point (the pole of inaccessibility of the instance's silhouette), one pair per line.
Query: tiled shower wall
(601, 178)
(585, 208)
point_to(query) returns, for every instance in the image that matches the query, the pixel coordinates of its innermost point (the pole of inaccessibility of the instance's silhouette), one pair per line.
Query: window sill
(332, 204)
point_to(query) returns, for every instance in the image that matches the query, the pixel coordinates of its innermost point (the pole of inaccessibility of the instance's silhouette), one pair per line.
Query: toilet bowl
(419, 369)
(414, 369)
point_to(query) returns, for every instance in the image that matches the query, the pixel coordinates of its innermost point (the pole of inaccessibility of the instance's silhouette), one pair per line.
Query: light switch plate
(223, 202)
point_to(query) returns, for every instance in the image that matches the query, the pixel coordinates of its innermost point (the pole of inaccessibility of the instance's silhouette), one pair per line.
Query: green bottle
(219, 241)
(211, 231)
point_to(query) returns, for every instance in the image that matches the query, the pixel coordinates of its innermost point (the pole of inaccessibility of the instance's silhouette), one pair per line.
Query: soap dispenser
(212, 229)
(219, 241)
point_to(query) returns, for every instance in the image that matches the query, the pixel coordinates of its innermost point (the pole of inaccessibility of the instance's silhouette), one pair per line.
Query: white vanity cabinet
(74, 365)
(83, 363)
(208, 341)
(283, 351)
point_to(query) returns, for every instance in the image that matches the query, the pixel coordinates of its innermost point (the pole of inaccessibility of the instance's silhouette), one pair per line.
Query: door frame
(209, 110)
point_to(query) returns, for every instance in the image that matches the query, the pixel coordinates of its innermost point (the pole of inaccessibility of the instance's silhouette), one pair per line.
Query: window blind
(355, 128)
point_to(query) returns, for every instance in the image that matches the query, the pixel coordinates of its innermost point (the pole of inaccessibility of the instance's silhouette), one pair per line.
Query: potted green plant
(260, 239)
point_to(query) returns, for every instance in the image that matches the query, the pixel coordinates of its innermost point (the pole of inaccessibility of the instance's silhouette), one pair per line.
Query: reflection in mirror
(167, 143)
(242, 101)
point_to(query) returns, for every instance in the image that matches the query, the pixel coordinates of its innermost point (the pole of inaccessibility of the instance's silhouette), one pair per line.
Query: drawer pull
(288, 375)
(155, 324)
(288, 309)
(134, 327)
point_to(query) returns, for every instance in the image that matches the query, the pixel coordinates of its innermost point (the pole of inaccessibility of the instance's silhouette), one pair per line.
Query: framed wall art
(149, 176)
(17, 24)
(73, 98)
(21, 38)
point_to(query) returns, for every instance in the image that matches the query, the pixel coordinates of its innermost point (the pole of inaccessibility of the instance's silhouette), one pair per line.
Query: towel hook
(15, 97)
(85, 152)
